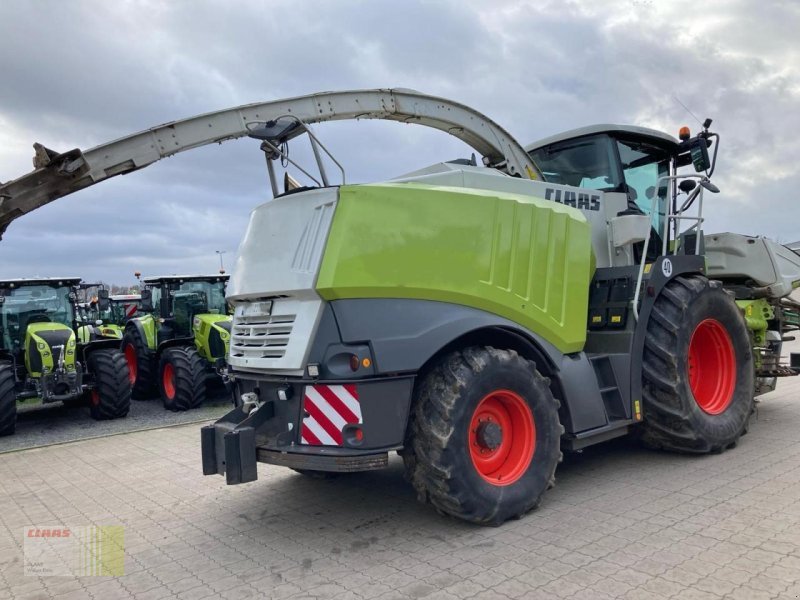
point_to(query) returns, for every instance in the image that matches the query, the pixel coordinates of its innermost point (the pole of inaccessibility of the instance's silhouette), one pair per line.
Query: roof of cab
(40, 281)
(644, 132)
(217, 277)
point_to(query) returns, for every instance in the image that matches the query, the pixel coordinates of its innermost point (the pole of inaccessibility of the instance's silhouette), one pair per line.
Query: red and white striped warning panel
(329, 408)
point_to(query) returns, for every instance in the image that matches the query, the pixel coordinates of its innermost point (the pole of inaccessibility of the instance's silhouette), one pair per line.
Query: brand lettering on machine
(48, 532)
(579, 200)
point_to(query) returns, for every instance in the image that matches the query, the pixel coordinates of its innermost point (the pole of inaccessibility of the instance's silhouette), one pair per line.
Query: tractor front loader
(479, 320)
(178, 346)
(41, 355)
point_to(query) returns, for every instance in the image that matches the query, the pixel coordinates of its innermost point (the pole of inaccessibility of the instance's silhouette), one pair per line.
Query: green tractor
(181, 342)
(41, 355)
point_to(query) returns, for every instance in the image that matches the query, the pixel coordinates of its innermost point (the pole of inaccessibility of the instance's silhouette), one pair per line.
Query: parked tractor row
(68, 341)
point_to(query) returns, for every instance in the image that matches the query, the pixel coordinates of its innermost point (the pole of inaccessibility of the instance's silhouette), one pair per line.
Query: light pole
(221, 266)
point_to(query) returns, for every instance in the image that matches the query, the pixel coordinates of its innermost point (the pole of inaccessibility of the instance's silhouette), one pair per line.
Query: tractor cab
(121, 308)
(94, 315)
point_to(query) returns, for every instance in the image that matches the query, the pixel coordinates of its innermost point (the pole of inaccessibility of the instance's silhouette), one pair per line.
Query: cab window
(642, 166)
(588, 162)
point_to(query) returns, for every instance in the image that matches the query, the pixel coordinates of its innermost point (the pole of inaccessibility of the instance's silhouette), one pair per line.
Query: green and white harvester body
(181, 340)
(42, 357)
(478, 320)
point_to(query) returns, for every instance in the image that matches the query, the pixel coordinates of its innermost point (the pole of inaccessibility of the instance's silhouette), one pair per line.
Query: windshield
(120, 310)
(32, 304)
(203, 296)
(642, 166)
(588, 162)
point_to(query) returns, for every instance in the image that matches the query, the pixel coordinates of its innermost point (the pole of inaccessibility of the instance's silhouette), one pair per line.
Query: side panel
(146, 326)
(212, 335)
(404, 334)
(524, 259)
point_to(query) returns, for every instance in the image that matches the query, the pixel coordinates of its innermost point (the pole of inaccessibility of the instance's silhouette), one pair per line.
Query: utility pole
(221, 266)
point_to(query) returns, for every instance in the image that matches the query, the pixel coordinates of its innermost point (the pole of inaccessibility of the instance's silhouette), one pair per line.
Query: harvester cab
(180, 343)
(43, 356)
(647, 166)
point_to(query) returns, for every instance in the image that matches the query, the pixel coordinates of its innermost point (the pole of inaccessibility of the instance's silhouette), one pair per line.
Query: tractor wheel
(141, 365)
(484, 437)
(110, 398)
(697, 369)
(182, 379)
(8, 400)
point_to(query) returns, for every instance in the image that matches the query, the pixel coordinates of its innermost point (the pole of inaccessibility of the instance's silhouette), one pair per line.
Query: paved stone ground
(41, 425)
(622, 523)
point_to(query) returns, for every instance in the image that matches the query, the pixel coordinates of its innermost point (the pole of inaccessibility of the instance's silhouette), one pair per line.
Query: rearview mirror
(102, 299)
(147, 300)
(698, 149)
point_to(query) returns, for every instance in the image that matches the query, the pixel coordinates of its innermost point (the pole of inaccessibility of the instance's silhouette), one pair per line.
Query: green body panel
(525, 259)
(148, 323)
(757, 313)
(203, 325)
(35, 341)
(107, 330)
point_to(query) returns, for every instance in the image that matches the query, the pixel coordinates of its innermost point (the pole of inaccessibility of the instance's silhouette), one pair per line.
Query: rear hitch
(229, 445)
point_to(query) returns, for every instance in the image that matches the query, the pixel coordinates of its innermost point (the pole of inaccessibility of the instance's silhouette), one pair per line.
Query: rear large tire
(8, 400)
(182, 379)
(484, 438)
(697, 369)
(141, 365)
(110, 398)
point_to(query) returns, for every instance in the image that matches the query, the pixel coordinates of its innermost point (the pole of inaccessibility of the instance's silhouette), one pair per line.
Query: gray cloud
(78, 74)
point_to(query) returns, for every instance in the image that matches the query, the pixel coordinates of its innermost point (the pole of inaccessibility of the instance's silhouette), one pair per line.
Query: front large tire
(110, 398)
(8, 400)
(697, 369)
(141, 365)
(484, 438)
(182, 379)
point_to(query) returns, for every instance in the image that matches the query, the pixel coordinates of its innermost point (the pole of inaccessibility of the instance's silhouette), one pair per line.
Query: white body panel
(274, 280)
(732, 256)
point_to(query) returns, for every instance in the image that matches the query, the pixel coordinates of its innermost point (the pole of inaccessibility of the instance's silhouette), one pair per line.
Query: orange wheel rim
(130, 357)
(712, 367)
(502, 437)
(168, 380)
(95, 398)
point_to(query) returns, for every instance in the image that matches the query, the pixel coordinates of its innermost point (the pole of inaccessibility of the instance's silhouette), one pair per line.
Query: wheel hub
(489, 435)
(501, 439)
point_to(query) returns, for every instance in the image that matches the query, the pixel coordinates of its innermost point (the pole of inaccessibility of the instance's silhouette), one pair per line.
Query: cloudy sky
(76, 74)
